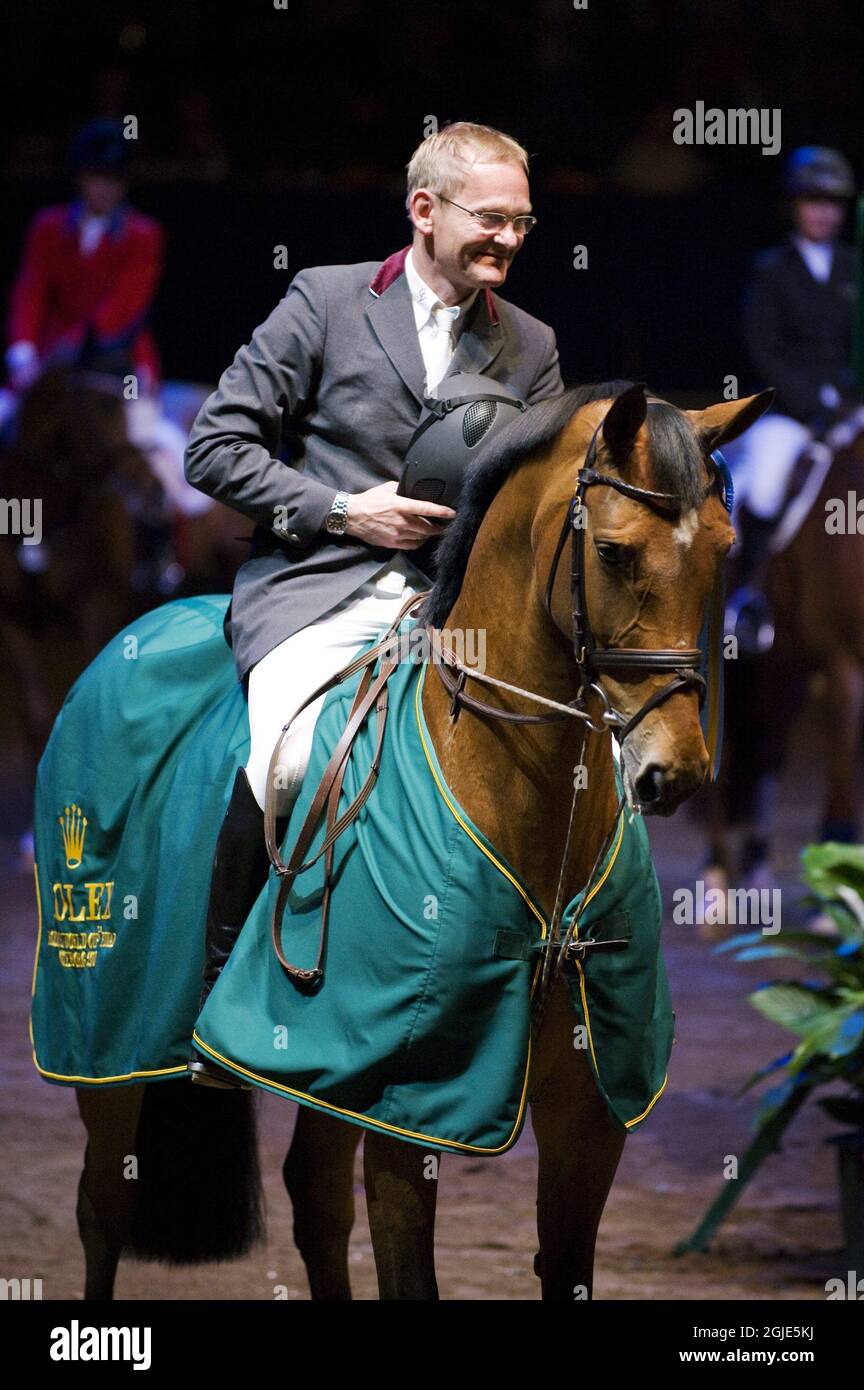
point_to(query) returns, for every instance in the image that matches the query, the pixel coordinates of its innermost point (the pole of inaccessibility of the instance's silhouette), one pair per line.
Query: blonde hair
(443, 161)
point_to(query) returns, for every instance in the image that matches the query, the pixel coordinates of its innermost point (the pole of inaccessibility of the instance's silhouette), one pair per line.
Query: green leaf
(750, 938)
(766, 1142)
(848, 1036)
(761, 1073)
(828, 865)
(793, 1006)
(825, 1040)
(774, 952)
(774, 1100)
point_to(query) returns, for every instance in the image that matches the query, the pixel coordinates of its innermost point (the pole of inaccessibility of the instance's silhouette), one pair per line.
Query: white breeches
(282, 679)
(762, 461)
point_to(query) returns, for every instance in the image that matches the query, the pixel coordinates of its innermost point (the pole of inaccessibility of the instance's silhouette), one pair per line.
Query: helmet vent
(478, 419)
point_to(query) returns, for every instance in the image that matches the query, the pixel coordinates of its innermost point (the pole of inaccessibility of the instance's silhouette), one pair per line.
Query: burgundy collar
(394, 266)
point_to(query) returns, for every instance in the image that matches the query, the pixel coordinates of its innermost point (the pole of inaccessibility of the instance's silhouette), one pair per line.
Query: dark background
(262, 127)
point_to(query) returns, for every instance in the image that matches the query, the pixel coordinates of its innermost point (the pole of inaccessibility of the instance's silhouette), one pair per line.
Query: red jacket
(59, 292)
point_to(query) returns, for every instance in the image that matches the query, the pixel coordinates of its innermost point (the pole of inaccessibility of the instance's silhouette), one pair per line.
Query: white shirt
(817, 256)
(90, 233)
(438, 324)
(438, 327)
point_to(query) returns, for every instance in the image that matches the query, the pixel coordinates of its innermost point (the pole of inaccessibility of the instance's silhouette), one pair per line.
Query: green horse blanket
(422, 1026)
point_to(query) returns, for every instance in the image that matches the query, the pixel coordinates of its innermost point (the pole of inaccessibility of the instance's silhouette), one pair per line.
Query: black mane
(676, 467)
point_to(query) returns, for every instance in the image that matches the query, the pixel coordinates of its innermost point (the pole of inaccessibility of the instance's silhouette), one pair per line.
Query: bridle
(591, 660)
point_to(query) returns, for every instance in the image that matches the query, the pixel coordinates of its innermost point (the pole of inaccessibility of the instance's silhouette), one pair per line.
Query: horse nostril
(650, 784)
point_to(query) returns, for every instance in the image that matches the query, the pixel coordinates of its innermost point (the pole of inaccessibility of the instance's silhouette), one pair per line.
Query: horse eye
(615, 556)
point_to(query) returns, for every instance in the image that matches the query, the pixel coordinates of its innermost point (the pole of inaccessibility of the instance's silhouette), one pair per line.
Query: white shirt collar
(91, 230)
(817, 256)
(424, 299)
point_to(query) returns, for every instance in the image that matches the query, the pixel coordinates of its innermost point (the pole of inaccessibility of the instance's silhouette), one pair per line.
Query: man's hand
(399, 523)
(22, 360)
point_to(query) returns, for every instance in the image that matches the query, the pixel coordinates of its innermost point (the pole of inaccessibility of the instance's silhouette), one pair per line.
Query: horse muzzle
(660, 787)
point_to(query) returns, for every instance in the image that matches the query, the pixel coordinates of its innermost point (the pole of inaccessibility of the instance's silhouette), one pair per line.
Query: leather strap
(369, 693)
(364, 658)
(684, 680)
(443, 659)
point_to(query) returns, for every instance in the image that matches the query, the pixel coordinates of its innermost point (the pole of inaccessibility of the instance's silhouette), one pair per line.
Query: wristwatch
(337, 518)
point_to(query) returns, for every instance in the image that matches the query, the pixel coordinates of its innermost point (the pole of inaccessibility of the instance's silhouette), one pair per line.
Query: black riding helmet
(100, 147)
(463, 412)
(815, 171)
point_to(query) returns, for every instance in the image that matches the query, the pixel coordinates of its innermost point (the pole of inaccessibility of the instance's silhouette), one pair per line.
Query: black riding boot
(240, 868)
(748, 615)
(756, 532)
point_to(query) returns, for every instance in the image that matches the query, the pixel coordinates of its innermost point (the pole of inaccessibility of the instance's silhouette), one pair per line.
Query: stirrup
(750, 621)
(206, 1073)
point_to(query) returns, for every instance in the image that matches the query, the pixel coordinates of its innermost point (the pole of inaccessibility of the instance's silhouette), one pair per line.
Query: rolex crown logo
(73, 825)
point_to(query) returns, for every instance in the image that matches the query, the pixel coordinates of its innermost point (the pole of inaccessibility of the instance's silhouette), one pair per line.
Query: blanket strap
(369, 692)
(613, 933)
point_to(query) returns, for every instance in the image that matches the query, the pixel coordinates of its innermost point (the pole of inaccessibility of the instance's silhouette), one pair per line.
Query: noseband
(591, 660)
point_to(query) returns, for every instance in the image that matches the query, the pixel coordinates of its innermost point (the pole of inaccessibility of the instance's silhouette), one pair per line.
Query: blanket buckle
(578, 949)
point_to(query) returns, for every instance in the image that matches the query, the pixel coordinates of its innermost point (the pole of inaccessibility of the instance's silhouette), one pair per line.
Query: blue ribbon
(711, 642)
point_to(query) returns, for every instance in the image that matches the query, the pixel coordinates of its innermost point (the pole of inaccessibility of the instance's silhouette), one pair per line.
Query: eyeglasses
(495, 221)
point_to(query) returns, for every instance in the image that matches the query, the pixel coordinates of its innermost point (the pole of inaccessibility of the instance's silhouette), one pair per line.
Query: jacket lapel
(480, 341)
(392, 318)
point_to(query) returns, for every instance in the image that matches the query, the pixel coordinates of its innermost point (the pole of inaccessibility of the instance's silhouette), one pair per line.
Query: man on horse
(338, 374)
(798, 326)
(82, 300)
(89, 273)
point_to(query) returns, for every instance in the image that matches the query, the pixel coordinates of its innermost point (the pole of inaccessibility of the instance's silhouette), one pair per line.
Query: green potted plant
(826, 1015)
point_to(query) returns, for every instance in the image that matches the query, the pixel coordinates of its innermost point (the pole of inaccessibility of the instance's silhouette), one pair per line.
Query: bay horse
(108, 541)
(815, 587)
(64, 597)
(656, 536)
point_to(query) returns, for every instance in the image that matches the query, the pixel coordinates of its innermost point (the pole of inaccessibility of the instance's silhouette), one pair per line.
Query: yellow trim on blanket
(367, 1119)
(107, 1080)
(59, 1076)
(596, 889)
(381, 1124)
(468, 831)
(650, 1106)
(38, 948)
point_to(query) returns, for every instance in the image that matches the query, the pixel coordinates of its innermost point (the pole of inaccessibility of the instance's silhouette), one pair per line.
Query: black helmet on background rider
(464, 411)
(99, 147)
(815, 171)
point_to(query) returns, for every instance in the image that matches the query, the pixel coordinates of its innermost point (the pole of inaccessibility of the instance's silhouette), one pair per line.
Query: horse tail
(199, 1185)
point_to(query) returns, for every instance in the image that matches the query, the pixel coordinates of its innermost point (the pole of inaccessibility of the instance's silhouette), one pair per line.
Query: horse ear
(717, 424)
(625, 418)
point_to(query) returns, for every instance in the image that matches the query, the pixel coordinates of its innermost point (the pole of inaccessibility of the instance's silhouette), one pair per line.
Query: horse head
(655, 535)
